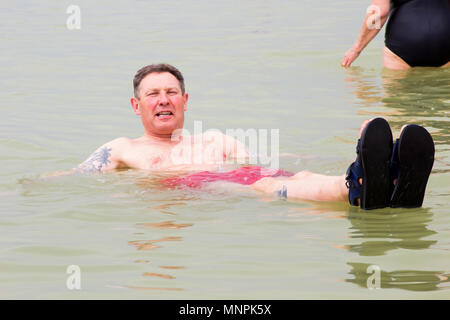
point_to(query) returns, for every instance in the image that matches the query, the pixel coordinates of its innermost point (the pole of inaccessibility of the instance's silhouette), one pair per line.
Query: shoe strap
(354, 173)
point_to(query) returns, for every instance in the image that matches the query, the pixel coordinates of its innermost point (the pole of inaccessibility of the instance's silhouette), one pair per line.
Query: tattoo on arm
(282, 193)
(96, 161)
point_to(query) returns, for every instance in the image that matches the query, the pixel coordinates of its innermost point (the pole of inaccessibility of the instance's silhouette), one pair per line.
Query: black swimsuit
(418, 31)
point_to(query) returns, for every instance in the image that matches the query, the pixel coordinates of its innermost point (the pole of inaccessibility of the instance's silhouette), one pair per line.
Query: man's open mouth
(164, 113)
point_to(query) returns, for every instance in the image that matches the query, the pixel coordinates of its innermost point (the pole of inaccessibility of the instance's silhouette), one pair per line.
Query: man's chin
(163, 128)
(166, 130)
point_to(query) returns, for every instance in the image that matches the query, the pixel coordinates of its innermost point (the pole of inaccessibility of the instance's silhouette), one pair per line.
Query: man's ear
(135, 104)
(186, 97)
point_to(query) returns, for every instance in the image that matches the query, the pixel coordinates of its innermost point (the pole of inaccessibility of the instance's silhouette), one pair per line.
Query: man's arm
(99, 161)
(235, 150)
(106, 158)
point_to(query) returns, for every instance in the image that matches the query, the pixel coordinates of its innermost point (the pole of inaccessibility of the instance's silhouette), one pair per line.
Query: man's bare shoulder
(115, 148)
(123, 145)
(120, 142)
(107, 157)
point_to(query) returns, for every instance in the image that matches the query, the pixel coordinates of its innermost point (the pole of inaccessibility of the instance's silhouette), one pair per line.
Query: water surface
(247, 64)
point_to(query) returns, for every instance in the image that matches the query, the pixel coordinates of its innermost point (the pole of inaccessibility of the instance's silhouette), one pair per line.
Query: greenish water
(247, 64)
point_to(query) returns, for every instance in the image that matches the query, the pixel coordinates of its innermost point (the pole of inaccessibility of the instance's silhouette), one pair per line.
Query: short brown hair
(156, 68)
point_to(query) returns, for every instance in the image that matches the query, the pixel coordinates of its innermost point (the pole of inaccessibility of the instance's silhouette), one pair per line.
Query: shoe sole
(416, 157)
(376, 150)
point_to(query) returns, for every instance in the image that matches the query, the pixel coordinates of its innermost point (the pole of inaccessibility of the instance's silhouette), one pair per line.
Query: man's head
(156, 68)
(160, 99)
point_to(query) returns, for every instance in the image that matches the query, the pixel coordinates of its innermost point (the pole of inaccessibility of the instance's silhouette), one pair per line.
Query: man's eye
(172, 92)
(152, 94)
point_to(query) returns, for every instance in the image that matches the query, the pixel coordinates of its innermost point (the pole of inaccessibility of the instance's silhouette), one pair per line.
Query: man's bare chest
(181, 155)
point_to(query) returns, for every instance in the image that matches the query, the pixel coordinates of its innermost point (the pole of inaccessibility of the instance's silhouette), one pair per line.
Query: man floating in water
(383, 174)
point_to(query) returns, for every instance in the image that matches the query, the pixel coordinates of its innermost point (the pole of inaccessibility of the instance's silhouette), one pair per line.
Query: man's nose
(163, 98)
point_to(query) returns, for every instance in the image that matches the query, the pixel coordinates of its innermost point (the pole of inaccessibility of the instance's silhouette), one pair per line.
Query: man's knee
(262, 184)
(302, 174)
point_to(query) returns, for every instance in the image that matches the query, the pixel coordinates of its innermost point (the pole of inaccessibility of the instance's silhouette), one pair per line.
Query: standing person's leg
(393, 61)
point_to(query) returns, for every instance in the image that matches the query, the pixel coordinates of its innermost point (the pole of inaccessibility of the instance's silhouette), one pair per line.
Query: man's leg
(307, 186)
(415, 167)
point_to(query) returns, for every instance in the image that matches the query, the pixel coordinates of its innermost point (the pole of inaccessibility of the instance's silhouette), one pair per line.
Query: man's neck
(167, 139)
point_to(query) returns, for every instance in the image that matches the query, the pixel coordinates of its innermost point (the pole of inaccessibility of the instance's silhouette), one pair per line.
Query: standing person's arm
(376, 17)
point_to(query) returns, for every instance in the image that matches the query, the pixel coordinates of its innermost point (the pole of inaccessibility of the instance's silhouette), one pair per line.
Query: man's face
(161, 104)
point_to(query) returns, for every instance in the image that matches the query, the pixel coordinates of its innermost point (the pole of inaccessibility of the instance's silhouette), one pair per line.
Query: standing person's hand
(350, 56)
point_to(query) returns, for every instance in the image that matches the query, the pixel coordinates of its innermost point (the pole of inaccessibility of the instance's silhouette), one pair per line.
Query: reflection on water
(419, 95)
(149, 244)
(365, 85)
(321, 210)
(385, 230)
(163, 206)
(171, 267)
(412, 280)
(165, 225)
(144, 288)
(158, 275)
(146, 245)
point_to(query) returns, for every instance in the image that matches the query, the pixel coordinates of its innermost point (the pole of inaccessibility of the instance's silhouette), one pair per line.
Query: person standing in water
(417, 33)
